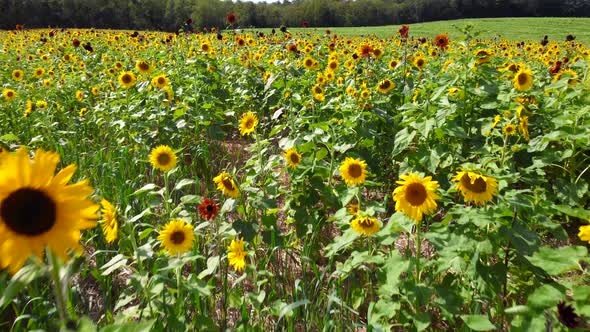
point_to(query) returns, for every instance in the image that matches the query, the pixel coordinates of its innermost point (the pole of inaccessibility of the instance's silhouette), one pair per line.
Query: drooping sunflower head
(109, 224)
(353, 171)
(415, 196)
(39, 209)
(248, 123)
(127, 79)
(177, 237)
(208, 209)
(163, 158)
(226, 185)
(523, 79)
(293, 157)
(365, 225)
(475, 187)
(237, 255)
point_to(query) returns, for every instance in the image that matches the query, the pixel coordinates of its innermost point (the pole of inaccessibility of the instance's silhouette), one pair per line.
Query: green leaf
(130, 327)
(21, 279)
(573, 212)
(394, 266)
(290, 307)
(10, 137)
(546, 296)
(403, 139)
(183, 183)
(147, 187)
(422, 321)
(556, 261)
(114, 264)
(478, 322)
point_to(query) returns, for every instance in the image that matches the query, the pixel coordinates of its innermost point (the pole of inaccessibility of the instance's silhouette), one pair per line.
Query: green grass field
(530, 28)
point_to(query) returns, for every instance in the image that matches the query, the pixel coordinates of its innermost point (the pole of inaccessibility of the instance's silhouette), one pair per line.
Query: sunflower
(109, 223)
(293, 157)
(441, 41)
(17, 75)
(39, 72)
(385, 86)
(584, 233)
(416, 196)
(365, 225)
(9, 94)
(160, 81)
(509, 129)
(127, 79)
(571, 77)
(80, 95)
(237, 255)
(41, 104)
(353, 171)
(523, 126)
(476, 187)
(29, 108)
(393, 64)
(143, 66)
(419, 62)
(163, 158)
(208, 209)
(353, 209)
(177, 237)
(309, 63)
(248, 123)
(38, 209)
(523, 79)
(231, 18)
(226, 185)
(497, 119)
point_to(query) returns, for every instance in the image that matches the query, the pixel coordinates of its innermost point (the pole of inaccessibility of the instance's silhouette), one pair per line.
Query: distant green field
(510, 28)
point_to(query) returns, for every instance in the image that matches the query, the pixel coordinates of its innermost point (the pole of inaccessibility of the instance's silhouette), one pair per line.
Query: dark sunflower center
(177, 237)
(249, 124)
(308, 63)
(126, 79)
(420, 63)
(28, 212)
(205, 47)
(10, 94)
(522, 79)
(355, 170)
(385, 85)
(209, 208)
(416, 194)
(227, 183)
(17, 74)
(479, 186)
(163, 159)
(144, 66)
(161, 80)
(294, 158)
(366, 222)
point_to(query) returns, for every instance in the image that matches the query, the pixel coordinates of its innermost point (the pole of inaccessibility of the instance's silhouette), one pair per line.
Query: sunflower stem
(166, 195)
(59, 289)
(418, 251)
(178, 288)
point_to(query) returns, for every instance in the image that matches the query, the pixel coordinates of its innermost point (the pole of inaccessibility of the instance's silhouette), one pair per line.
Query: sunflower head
(127, 79)
(143, 66)
(109, 224)
(353, 171)
(475, 187)
(509, 129)
(385, 86)
(523, 79)
(237, 255)
(293, 157)
(160, 81)
(163, 158)
(177, 237)
(40, 210)
(415, 196)
(365, 225)
(584, 233)
(9, 94)
(226, 185)
(248, 123)
(208, 209)
(17, 75)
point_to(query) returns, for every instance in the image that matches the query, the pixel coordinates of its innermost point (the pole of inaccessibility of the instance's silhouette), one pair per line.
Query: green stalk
(418, 251)
(60, 297)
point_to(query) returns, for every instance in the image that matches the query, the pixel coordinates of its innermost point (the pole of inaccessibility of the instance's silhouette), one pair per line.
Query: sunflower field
(304, 181)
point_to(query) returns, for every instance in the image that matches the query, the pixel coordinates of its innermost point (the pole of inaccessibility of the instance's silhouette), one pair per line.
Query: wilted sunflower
(385, 86)
(248, 123)
(39, 209)
(226, 185)
(476, 187)
(127, 79)
(353, 171)
(237, 255)
(293, 157)
(177, 237)
(208, 209)
(163, 158)
(365, 225)
(9, 94)
(523, 79)
(109, 224)
(416, 196)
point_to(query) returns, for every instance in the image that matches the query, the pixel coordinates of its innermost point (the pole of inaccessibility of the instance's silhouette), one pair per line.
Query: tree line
(172, 15)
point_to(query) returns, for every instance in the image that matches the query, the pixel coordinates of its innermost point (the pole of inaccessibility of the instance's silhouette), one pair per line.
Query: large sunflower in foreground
(365, 225)
(177, 237)
(416, 196)
(476, 187)
(226, 184)
(248, 123)
(109, 224)
(237, 255)
(39, 209)
(353, 171)
(163, 158)
(523, 79)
